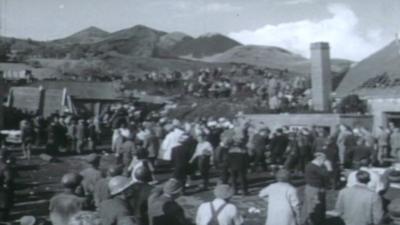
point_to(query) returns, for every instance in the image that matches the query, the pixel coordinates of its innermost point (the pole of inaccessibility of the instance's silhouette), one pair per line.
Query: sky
(354, 28)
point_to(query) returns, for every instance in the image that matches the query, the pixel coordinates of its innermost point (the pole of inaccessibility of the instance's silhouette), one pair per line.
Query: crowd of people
(130, 193)
(273, 90)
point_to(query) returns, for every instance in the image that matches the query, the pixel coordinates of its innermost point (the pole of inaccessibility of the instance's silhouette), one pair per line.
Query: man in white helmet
(115, 210)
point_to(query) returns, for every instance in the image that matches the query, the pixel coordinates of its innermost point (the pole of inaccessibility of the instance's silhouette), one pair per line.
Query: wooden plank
(26, 98)
(52, 101)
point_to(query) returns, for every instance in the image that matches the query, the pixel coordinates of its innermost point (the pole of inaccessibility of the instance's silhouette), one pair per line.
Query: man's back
(90, 177)
(63, 206)
(358, 205)
(112, 211)
(101, 191)
(164, 210)
(137, 196)
(229, 215)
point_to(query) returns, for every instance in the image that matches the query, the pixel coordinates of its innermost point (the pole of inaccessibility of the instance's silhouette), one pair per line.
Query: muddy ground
(37, 181)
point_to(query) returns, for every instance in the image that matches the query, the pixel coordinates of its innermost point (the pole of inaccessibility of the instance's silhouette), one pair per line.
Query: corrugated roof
(85, 90)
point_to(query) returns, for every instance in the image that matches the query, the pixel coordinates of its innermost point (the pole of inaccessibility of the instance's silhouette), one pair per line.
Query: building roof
(385, 61)
(152, 99)
(38, 73)
(14, 66)
(85, 90)
(378, 93)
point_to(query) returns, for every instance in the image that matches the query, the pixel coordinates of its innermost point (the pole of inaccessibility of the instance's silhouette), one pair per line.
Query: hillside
(272, 57)
(383, 61)
(148, 49)
(264, 56)
(205, 45)
(87, 36)
(139, 41)
(169, 40)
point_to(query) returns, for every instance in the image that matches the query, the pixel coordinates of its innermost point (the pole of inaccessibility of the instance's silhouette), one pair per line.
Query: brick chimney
(321, 79)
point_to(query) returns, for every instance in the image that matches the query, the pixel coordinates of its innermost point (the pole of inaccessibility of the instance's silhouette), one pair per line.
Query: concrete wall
(378, 108)
(331, 120)
(274, 121)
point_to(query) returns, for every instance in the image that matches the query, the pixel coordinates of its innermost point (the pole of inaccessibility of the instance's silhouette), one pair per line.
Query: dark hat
(172, 187)
(223, 191)
(71, 180)
(142, 173)
(394, 176)
(394, 209)
(142, 153)
(93, 158)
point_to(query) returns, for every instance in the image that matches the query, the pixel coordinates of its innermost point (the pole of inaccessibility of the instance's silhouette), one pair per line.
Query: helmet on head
(118, 184)
(71, 180)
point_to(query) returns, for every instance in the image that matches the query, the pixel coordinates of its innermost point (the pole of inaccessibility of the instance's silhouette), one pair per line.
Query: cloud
(340, 30)
(296, 2)
(200, 7)
(219, 7)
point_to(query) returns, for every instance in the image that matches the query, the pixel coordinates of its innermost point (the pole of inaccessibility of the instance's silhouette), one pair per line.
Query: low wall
(330, 120)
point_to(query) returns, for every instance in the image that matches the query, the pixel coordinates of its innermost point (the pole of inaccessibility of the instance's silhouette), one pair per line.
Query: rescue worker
(90, 176)
(65, 205)
(115, 210)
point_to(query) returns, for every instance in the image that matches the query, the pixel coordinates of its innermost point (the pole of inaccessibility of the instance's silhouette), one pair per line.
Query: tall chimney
(321, 79)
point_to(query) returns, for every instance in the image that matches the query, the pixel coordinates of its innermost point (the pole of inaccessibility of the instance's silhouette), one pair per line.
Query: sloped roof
(39, 73)
(386, 60)
(374, 93)
(85, 90)
(14, 66)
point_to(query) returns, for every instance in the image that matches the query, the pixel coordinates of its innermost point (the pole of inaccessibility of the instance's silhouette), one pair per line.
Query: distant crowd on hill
(274, 92)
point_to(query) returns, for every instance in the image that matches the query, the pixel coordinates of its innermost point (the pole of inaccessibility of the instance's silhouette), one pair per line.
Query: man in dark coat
(222, 163)
(6, 186)
(238, 165)
(260, 142)
(278, 146)
(180, 157)
(138, 194)
(101, 191)
(81, 135)
(163, 209)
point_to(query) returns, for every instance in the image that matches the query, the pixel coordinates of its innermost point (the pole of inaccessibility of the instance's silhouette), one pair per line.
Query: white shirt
(203, 148)
(375, 184)
(169, 142)
(283, 204)
(228, 216)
